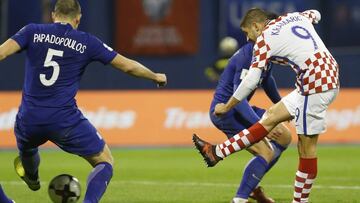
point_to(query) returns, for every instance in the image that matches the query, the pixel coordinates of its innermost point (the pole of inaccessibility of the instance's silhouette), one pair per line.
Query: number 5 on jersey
(50, 63)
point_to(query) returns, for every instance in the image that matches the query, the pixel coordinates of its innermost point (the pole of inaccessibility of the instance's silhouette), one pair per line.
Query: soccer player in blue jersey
(4, 198)
(57, 55)
(243, 115)
(267, 152)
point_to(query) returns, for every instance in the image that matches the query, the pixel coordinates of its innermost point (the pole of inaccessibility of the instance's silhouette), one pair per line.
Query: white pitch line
(337, 187)
(200, 184)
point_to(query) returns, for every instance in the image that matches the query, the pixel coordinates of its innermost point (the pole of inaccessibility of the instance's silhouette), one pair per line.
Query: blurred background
(180, 38)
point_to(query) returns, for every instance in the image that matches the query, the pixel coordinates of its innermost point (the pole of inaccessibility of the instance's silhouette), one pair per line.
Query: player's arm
(8, 48)
(270, 88)
(261, 53)
(247, 86)
(136, 69)
(313, 15)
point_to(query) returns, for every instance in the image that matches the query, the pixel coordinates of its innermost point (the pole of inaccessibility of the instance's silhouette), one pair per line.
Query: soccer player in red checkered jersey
(290, 39)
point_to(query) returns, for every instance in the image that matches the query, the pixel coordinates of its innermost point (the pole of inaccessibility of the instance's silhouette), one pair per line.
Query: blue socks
(278, 149)
(98, 180)
(255, 170)
(31, 161)
(3, 197)
(253, 173)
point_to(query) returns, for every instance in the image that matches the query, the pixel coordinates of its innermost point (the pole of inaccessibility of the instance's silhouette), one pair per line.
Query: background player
(243, 116)
(57, 55)
(290, 39)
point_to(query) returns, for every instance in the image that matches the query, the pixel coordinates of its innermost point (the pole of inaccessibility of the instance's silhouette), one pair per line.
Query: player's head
(254, 22)
(67, 10)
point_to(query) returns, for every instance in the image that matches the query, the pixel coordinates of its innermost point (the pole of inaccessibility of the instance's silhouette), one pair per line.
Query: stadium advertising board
(158, 27)
(155, 118)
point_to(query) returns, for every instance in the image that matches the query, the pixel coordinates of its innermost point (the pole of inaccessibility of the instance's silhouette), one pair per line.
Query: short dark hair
(67, 8)
(256, 15)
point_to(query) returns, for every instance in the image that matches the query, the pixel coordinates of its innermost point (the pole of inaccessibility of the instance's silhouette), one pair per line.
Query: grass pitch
(178, 175)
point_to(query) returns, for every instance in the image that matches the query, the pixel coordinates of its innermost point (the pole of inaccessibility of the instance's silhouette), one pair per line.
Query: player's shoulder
(244, 51)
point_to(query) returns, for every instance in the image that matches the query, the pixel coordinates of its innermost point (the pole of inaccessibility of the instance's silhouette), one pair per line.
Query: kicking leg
(214, 153)
(100, 176)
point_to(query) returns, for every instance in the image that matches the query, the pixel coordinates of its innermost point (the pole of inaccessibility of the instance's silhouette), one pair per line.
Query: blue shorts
(81, 138)
(237, 119)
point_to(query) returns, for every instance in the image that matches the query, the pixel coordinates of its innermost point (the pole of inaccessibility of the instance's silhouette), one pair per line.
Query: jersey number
(300, 32)
(50, 63)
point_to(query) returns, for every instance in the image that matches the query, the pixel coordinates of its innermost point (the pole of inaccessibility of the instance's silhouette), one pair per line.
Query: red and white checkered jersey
(292, 40)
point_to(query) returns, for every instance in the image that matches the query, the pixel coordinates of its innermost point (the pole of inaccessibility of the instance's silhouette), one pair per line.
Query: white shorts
(309, 111)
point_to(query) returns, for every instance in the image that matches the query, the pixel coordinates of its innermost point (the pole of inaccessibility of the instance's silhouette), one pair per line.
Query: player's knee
(285, 138)
(264, 151)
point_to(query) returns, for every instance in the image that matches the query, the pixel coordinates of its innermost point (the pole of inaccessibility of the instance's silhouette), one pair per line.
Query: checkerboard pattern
(322, 74)
(303, 183)
(261, 53)
(236, 143)
(313, 15)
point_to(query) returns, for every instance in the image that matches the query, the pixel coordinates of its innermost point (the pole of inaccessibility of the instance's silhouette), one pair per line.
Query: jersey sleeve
(313, 15)
(242, 64)
(23, 36)
(261, 53)
(99, 51)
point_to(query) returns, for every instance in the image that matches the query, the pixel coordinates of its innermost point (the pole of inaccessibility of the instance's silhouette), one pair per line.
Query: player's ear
(53, 15)
(77, 20)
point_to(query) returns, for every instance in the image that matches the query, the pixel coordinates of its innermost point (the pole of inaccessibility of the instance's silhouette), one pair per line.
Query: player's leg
(266, 153)
(27, 163)
(214, 153)
(100, 176)
(307, 169)
(254, 171)
(310, 122)
(272, 117)
(280, 138)
(4, 198)
(235, 121)
(83, 139)
(280, 112)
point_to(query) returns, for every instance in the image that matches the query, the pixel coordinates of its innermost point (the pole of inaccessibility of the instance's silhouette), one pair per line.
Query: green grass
(179, 175)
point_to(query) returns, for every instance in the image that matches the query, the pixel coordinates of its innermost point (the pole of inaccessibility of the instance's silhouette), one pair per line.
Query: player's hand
(161, 79)
(220, 109)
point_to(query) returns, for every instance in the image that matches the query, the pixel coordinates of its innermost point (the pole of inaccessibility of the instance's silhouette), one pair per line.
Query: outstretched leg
(214, 153)
(275, 115)
(100, 176)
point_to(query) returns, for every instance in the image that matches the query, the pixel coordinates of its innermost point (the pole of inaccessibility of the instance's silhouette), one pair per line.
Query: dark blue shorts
(237, 119)
(81, 138)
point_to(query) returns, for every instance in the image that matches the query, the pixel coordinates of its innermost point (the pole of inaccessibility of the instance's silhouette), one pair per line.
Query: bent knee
(285, 138)
(263, 150)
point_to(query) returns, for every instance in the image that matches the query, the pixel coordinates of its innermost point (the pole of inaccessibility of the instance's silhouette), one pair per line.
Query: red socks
(305, 177)
(242, 140)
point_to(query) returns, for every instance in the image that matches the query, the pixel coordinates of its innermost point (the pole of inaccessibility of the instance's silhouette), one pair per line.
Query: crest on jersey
(156, 10)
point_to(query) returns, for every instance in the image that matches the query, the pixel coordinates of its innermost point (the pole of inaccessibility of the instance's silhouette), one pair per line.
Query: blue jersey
(232, 76)
(56, 59)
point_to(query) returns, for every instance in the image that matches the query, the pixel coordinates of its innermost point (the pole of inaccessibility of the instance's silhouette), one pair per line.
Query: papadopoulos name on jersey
(67, 42)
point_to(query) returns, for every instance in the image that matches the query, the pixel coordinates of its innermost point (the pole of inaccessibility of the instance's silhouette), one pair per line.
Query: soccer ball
(64, 188)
